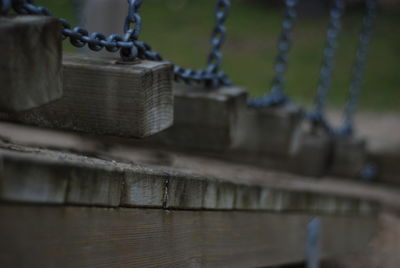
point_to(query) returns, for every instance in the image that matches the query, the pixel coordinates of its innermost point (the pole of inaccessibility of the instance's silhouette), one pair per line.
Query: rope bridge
(197, 169)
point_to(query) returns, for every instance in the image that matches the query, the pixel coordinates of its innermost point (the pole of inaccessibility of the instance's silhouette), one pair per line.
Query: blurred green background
(180, 29)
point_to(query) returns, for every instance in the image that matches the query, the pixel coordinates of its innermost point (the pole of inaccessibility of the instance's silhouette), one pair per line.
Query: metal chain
(129, 46)
(277, 95)
(359, 68)
(211, 76)
(317, 116)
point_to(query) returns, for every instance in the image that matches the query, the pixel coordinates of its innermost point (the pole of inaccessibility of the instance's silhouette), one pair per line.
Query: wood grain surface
(40, 236)
(30, 65)
(106, 98)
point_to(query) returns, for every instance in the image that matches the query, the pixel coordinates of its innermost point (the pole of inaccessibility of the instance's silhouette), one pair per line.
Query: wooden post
(205, 119)
(30, 65)
(104, 97)
(349, 156)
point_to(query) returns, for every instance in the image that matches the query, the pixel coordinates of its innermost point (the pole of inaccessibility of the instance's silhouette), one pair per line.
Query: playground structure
(233, 170)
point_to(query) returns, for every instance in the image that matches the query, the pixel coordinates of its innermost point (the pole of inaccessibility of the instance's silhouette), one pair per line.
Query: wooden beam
(70, 179)
(40, 236)
(205, 119)
(104, 97)
(30, 65)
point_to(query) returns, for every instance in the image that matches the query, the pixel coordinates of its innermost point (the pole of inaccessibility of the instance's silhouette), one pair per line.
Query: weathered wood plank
(93, 186)
(46, 179)
(93, 182)
(92, 237)
(107, 98)
(30, 65)
(24, 179)
(144, 189)
(205, 119)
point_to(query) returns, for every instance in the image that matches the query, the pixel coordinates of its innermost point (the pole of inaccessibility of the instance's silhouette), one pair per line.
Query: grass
(180, 30)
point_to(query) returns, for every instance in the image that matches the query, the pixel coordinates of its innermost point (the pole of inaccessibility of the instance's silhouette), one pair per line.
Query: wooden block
(24, 179)
(91, 186)
(349, 156)
(313, 154)
(144, 189)
(107, 98)
(271, 130)
(46, 236)
(30, 65)
(205, 119)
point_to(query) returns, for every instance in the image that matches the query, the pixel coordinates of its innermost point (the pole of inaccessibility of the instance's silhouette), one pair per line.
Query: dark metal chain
(318, 115)
(359, 68)
(212, 76)
(277, 95)
(129, 46)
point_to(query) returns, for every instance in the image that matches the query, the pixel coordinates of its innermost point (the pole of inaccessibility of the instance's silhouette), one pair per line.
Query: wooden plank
(349, 156)
(205, 119)
(106, 98)
(94, 186)
(93, 181)
(92, 237)
(185, 192)
(247, 197)
(48, 179)
(24, 179)
(29, 41)
(144, 189)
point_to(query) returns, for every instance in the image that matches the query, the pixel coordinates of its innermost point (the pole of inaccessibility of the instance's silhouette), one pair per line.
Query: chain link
(277, 95)
(335, 24)
(129, 46)
(212, 76)
(359, 68)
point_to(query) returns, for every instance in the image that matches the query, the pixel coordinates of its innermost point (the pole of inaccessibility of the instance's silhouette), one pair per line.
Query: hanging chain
(277, 95)
(129, 46)
(359, 68)
(317, 116)
(212, 75)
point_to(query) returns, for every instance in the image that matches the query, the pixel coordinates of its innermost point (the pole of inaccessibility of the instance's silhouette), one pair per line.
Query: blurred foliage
(179, 30)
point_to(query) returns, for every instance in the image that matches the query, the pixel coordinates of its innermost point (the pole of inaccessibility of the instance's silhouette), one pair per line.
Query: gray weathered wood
(88, 181)
(313, 154)
(91, 186)
(30, 65)
(349, 156)
(271, 130)
(205, 119)
(144, 189)
(247, 197)
(25, 179)
(42, 236)
(185, 192)
(104, 97)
